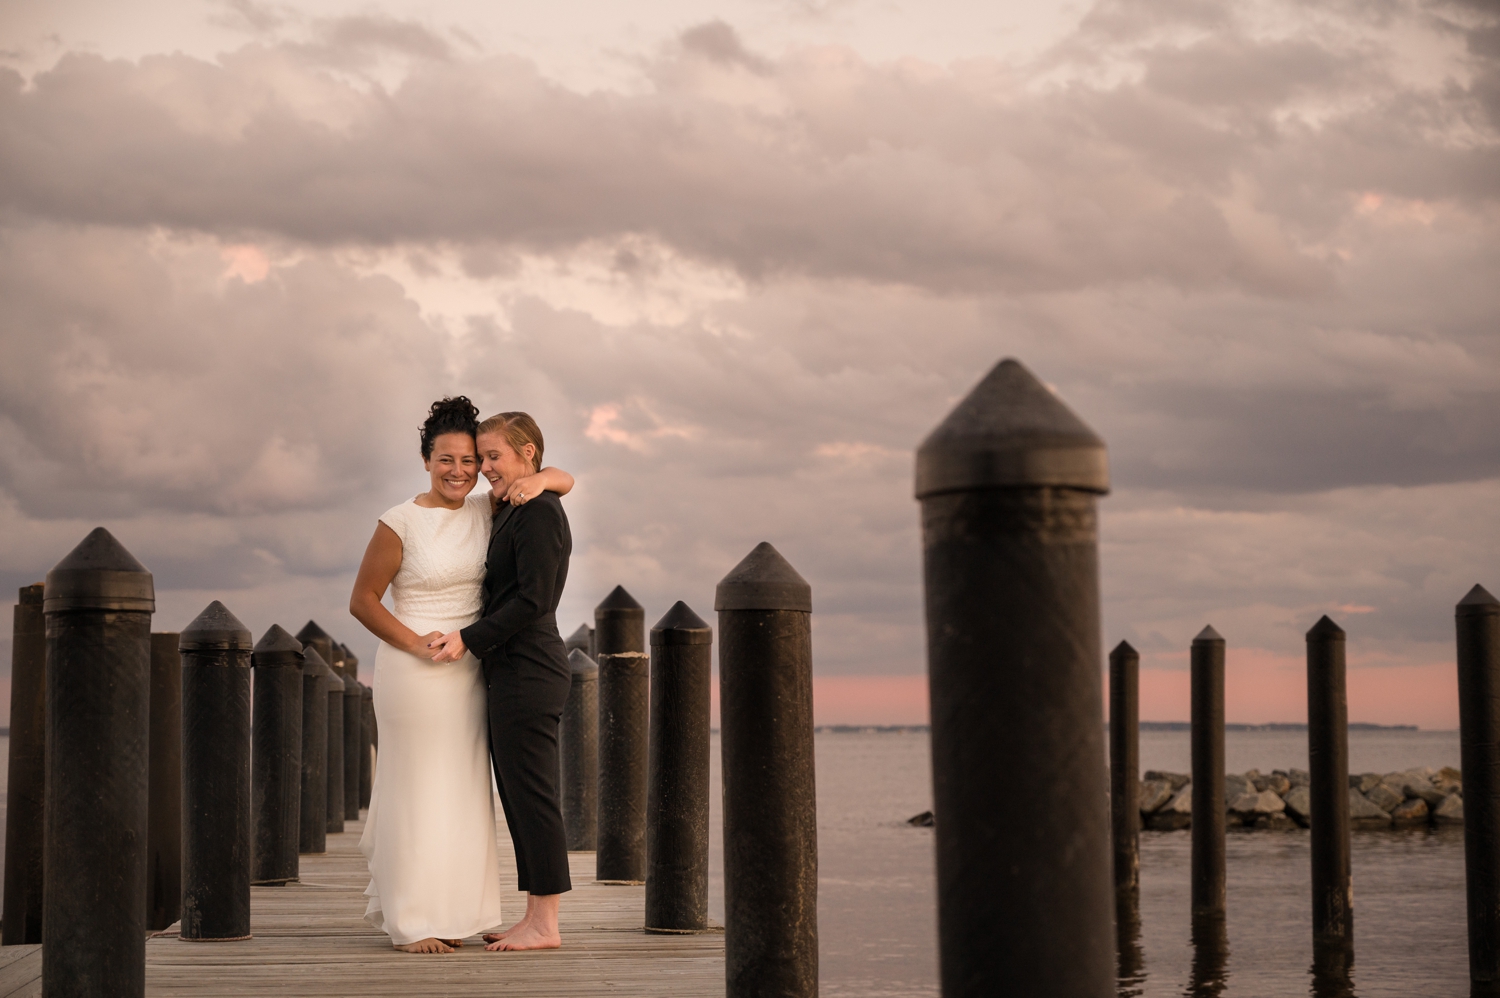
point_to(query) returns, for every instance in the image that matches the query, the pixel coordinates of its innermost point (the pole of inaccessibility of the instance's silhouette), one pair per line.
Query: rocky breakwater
(1280, 799)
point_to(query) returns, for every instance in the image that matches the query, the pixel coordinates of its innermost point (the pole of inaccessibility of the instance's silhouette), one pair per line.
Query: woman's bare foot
(527, 937)
(428, 945)
(455, 943)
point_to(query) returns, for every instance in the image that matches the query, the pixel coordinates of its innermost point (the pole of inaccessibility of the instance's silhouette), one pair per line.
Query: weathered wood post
(354, 724)
(216, 839)
(98, 604)
(366, 744)
(312, 810)
(579, 640)
(770, 799)
(164, 785)
(1328, 770)
(25, 793)
(335, 758)
(1125, 769)
(1008, 484)
(578, 736)
(276, 756)
(1208, 866)
(677, 791)
(624, 680)
(313, 635)
(1477, 621)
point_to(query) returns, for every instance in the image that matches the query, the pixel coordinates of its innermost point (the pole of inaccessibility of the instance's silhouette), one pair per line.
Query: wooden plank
(21, 970)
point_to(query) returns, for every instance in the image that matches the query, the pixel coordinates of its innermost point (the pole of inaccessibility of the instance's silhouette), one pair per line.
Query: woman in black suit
(525, 671)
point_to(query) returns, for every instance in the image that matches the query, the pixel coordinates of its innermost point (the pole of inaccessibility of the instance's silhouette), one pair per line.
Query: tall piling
(366, 744)
(335, 757)
(25, 794)
(677, 780)
(1477, 622)
(578, 738)
(1125, 769)
(620, 624)
(164, 785)
(314, 636)
(276, 756)
(770, 800)
(1207, 696)
(98, 603)
(624, 705)
(580, 639)
(1328, 770)
(217, 822)
(354, 723)
(312, 809)
(1008, 484)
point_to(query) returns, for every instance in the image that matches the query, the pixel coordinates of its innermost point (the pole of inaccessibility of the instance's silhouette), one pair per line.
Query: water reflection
(1210, 973)
(1131, 959)
(1332, 972)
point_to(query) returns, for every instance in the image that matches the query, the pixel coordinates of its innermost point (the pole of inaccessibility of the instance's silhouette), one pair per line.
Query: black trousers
(526, 694)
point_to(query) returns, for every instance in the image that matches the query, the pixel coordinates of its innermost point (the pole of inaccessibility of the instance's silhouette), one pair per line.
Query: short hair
(519, 430)
(449, 415)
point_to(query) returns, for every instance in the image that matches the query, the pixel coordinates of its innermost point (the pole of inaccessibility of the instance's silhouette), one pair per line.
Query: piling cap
(277, 647)
(313, 664)
(619, 603)
(1325, 630)
(764, 580)
(1208, 634)
(366, 692)
(1011, 432)
(99, 574)
(1478, 603)
(580, 637)
(312, 632)
(681, 626)
(1125, 649)
(32, 593)
(350, 659)
(584, 668)
(215, 628)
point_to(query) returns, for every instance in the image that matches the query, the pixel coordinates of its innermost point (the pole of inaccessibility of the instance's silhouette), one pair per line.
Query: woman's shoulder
(397, 517)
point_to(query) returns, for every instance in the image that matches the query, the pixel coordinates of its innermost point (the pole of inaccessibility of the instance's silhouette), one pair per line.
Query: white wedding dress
(430, 833)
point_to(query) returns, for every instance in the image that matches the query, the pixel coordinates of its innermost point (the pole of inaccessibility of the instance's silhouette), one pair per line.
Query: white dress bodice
(442, 561)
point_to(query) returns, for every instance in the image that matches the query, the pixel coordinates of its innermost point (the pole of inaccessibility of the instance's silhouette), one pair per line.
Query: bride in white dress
(430, 833)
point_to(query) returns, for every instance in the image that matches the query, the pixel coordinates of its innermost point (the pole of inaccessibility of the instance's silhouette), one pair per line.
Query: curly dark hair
(450, 415)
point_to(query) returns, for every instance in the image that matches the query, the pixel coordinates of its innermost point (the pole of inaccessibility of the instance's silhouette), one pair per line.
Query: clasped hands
(440, 647)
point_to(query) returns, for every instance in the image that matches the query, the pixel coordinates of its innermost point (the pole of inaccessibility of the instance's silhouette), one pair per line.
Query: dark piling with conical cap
(164, 815)
(276, 756)
(619, 624)
(366, 744)
(1008, 483)
(1124, 773)
(1209, 892)
(26, 789)
(335, 699)
(97, 602)
(578, 745)
(579, 639)
(770, 796)
(1477, 623)
(312, 634)
(677, 782)
(1328, 791)
(353, 727)
(312, 808)
(217, 822)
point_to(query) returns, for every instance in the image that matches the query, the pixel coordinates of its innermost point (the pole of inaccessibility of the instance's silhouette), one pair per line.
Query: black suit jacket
(524, 574)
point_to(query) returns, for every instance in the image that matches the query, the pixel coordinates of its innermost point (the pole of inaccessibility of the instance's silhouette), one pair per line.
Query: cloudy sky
(738, 258)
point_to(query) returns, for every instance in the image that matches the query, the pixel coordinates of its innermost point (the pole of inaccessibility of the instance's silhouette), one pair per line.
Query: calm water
(876, 899)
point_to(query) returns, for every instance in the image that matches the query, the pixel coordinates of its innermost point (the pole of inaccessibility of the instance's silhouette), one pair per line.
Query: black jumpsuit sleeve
(540, 532)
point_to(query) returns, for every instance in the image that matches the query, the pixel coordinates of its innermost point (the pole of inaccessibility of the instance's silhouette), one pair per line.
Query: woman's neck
(433, 499)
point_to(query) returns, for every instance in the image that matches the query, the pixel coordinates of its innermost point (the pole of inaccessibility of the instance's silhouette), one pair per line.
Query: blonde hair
(519, 430)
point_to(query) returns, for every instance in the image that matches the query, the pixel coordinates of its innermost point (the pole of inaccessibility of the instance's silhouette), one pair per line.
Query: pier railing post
(624, 680)
(98, 604)
(164, 785)
(677, 793)
(366, 744)
(354, 723)
(1125, 769)
(1008, 484)
(578, 736)
(312, 810)
(1328, 787)
(315, 637)
(25, 794)
(770, 800)
(335, 757)
(276, 756)
(1206, 664)
(1477, 622)
(217, 824)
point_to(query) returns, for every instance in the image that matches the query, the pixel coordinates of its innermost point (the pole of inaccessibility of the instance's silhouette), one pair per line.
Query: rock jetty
(1280, 800)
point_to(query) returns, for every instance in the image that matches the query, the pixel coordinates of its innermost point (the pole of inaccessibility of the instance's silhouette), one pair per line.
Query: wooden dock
(311, 939)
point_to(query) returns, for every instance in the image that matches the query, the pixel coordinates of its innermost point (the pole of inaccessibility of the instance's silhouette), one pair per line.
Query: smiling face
(502, 463)
(454, 466)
